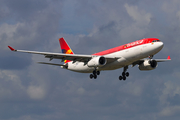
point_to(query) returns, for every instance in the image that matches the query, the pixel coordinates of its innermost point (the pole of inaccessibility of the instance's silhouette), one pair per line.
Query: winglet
(169, 58)
(12, 49)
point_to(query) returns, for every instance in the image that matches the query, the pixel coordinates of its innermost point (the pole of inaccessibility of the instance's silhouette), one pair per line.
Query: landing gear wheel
(98, 72)
(123, 74)
(94, 72)
(127, 74)
(120, 77)
(95, 76)
(91, 76)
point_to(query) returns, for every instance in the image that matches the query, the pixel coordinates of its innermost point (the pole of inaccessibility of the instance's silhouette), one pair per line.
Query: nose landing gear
(150, 56)
(124, 74)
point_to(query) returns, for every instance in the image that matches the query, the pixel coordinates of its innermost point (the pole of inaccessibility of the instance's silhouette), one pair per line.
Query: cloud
(170, 111)
(138, 15)
(10, 62)
(11, 86)
(34, 91)
(135, 89)
(81, 91)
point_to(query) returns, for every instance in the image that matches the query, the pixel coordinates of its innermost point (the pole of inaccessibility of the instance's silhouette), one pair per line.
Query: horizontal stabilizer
(157, 60)
(52, 64)
(163, 60)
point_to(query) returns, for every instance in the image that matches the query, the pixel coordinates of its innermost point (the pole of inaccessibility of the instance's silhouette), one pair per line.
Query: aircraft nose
(161, 45)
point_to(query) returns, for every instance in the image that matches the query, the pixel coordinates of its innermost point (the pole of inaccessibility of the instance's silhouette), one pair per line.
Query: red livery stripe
(127, 46)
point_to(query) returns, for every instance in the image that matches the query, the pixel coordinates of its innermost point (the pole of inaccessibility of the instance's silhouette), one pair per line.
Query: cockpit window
(156, 41)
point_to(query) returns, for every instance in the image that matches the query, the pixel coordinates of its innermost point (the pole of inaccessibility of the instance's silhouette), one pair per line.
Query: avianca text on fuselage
(111, 59)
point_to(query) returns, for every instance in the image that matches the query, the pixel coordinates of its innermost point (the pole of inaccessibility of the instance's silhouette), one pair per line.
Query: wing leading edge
(62, 56)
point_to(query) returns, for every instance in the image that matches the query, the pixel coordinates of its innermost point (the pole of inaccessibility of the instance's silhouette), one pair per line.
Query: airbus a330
(139, 53)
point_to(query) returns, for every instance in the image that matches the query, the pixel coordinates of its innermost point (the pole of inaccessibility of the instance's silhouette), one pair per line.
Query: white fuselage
(126, 57)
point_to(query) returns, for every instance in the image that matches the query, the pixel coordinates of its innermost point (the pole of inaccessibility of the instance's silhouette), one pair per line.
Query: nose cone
(161, 45)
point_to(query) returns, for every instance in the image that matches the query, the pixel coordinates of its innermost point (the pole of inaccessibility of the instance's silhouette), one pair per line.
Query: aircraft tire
(98, 72)
(127, 74)
(95, 76)
(123, 73)
(94, 72)
(124, 78)
(120, 77)
(91, 76)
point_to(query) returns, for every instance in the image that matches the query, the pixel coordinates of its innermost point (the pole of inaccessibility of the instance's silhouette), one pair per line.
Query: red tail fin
(65, 48)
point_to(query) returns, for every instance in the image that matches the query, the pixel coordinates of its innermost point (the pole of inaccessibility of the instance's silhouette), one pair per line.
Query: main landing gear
(124, 74)
(122, 77)
(94, 74)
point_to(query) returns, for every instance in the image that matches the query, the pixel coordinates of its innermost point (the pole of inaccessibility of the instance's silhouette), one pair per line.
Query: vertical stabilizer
(65, 48)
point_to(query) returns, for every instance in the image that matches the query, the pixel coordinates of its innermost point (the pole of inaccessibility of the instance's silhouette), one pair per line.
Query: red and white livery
(119, 57)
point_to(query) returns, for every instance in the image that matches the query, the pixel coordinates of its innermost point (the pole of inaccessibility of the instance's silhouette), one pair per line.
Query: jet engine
(148, 65)
(97, 61)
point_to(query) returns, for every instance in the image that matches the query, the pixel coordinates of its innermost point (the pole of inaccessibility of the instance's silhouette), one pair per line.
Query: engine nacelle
(97, 61)
(148, 65)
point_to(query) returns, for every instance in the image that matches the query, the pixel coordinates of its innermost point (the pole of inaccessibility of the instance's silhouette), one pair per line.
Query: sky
(30, 91)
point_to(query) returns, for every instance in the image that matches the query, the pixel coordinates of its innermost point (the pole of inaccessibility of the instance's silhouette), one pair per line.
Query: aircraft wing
(72, 57)
(158, 60)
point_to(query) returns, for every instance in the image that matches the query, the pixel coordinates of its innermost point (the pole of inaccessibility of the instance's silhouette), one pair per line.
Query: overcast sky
(29, 91)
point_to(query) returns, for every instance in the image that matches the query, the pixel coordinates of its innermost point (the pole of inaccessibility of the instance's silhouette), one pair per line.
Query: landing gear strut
(94, 74)
(151, 56)
(124, 74)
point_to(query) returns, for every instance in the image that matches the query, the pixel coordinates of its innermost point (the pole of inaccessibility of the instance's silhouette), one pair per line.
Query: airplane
(139, 53)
